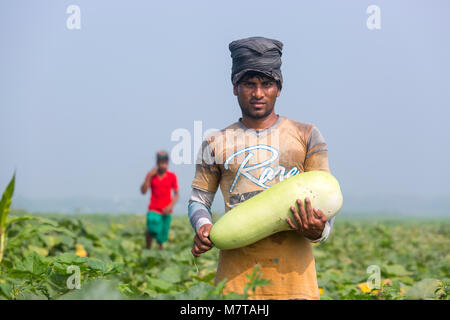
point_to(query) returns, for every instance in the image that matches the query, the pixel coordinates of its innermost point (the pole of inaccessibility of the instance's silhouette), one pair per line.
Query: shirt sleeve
(199, 208)
(316, 152)
(207, 172)
(175, 182)
(325, 233)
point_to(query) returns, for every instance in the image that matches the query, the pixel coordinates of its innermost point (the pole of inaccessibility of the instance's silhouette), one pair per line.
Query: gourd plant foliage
(5, 205)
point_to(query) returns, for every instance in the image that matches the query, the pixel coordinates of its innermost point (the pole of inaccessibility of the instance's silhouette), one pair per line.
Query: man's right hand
(153, 172)
(201, 240)
(148, 178)
(150, 175)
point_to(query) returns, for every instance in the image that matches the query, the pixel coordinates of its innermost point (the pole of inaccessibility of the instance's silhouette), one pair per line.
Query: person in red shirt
(161, 181)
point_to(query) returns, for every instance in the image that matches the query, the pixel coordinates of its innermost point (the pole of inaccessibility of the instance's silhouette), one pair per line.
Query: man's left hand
(309, 222)
(167, 210)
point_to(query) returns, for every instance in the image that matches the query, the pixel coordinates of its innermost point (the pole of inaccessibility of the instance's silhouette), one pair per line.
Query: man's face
(162, 166)
(256, 95)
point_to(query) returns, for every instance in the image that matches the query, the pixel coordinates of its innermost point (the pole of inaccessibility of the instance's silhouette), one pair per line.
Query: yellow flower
(80, 251)
(320, 291)
(365, 288)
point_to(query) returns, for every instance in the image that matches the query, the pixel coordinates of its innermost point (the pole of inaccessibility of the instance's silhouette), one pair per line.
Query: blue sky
(82, 112)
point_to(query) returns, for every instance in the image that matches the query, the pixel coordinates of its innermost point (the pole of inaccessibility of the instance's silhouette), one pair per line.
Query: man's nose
(258, 93)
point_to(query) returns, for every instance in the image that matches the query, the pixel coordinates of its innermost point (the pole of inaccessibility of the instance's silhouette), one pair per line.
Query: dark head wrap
(256, 54)
(162, 156)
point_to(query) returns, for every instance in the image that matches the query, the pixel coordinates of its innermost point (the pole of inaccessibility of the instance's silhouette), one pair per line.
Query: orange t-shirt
(243, 162)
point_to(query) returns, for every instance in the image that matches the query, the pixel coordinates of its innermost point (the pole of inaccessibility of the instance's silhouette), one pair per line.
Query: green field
(413, 257)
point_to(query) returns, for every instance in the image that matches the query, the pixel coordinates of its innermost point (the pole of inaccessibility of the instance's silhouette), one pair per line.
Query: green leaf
(70, 258)
(34, 264)
(198, 291)
(28, 218)
(396, 270)
(67, 241)
(5, 290)
(39, 250)
(234, 296)
(5, 203)
(97, 265)
(95, 290)
(113, 267)
(44, 228)
(423, 289)
(160, 284)
(172, 274)
(406, 280)
(133, 292)
(218, 290)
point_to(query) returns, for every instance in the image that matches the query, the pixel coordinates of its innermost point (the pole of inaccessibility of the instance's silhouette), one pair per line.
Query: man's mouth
(258, 104)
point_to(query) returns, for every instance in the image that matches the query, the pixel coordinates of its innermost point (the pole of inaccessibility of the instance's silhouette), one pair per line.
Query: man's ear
(235, 89)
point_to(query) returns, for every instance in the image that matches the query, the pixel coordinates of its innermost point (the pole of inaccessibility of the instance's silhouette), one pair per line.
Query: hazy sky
(82, 112)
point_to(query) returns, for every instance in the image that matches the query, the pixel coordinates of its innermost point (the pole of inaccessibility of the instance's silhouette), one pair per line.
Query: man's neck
(161, 173)
(259, 124)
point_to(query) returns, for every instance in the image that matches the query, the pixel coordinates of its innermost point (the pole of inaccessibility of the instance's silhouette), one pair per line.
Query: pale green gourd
(265, 213)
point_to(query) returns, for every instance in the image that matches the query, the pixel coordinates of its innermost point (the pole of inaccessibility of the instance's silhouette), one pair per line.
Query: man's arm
(199, 211)
(311, 223)
(204, 187)
(146, 185)
(169, 208)
(325, 233)
(317, 159)
(199, 208)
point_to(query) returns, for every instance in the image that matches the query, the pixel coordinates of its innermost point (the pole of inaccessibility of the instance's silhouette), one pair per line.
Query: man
(161, 181)
(264, 149)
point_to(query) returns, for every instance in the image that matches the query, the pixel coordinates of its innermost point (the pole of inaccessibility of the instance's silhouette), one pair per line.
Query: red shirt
(162, 190)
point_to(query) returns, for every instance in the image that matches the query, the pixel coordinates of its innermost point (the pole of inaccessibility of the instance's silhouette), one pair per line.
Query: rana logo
(267, 174)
